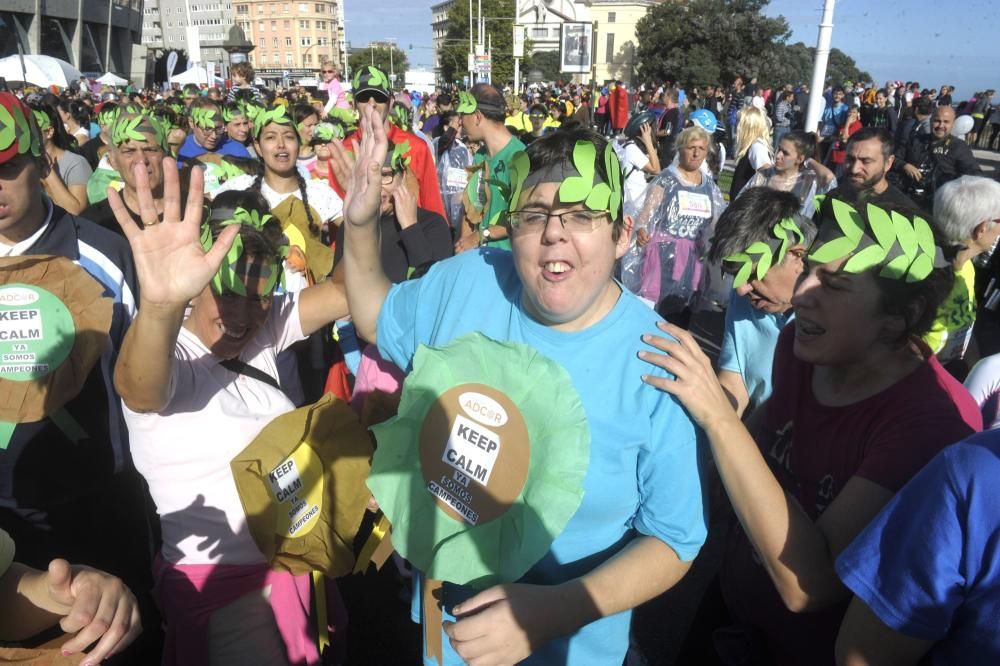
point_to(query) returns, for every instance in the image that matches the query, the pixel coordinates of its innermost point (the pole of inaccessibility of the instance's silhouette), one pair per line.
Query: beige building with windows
(293, 37)
(615, 40)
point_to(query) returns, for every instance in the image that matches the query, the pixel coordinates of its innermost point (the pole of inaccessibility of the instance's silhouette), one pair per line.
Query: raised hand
(170, 262)
(361, 175)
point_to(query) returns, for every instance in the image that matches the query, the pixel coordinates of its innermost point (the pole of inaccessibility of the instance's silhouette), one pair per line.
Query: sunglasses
(327, 71)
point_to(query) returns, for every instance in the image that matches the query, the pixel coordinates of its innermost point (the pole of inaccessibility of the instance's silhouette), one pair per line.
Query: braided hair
(258, 181)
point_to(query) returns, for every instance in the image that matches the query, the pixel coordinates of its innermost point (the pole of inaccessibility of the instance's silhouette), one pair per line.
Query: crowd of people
(204, 261)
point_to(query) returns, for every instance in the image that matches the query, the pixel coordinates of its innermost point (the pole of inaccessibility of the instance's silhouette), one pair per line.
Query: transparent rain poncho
(804, 184)
(679, 218)
(453, 178)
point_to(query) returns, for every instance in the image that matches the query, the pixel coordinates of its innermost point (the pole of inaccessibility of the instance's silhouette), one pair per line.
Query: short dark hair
(538, 108)
(491, 102)
(805, 142)
(557, 147)
(923, 106)
(750, 218)
(880, 133)
(265, 242)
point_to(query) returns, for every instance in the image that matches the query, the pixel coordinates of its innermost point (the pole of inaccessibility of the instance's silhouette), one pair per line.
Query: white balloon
(963, 125)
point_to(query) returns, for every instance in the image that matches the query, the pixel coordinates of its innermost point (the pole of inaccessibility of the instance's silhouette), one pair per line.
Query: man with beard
(869, 158)
(931, 160)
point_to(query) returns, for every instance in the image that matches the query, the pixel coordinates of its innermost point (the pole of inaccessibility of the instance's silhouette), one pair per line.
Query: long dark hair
(60, 137)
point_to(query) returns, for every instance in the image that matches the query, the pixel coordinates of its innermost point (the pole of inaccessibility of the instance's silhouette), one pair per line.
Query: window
(274, 25)
(288, 41)
(284, 8)
(303, 8)
(274, 8)
(263, 58)
(260, 26)
(307, 59)
(289, 59)
(320, 9)
(287, 24)
(321, 25)
(252, 61)
(260, 9)
(305, 41)
(304, 25)
(611, 19)
(261, 42)
(540, 32)
(274, 42)
(609, 55)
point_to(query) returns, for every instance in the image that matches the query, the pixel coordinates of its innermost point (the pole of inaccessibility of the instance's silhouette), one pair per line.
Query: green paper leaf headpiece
(203, 118)
(586, 186)
(107, 117)
(398, 161)
(903, 248)
(229, 113)
(228, 278)
(400, 117)
(376, 78)
(138, 128)
(276, 114)
(768, 253)
(327, 132)
(347, 117)
(41, 119)
(466, 103)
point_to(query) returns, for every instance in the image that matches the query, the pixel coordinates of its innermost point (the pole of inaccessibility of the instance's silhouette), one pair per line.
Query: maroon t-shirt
(813, 451)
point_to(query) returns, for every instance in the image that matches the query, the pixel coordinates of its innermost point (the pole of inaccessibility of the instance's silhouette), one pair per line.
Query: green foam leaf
(8, 131)
(833, 250)
(867, 258)
(882, 227)
(577, 188)
(849, 220)
(920, 268)
(519, 166)
(904, 235)
(925, 237)
(743, 274)
(896, 268)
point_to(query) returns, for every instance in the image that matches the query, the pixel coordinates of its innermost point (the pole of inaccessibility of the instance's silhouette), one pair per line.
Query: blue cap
(704, 119)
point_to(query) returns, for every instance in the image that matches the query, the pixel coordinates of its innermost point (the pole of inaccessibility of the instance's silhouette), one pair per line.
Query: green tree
(547, 62)
(707, 41)
(381, 56)
(793, 63)
(499, 24)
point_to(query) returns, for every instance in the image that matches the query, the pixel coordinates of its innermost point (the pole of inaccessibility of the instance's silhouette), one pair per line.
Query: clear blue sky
(931, 41)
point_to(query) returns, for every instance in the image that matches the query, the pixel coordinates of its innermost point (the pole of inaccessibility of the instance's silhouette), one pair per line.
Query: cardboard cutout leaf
(377, 77)
(519, 166)
(743, 274)
(466, 103)
(599, 197)
(41, 119)
(882, 227)
(764, 257)
(920, 268)
(896, 269)
(849, 220)
(8, 131)
(833, 250)
(23, 130)
(904, 235)
(924, 235)
(576, 188)
(867, 258)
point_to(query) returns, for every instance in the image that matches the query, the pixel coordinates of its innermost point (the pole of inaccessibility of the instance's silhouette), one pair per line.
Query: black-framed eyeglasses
(573, 221)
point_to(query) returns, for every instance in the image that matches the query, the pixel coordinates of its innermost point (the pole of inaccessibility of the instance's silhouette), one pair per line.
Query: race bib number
(694, 204)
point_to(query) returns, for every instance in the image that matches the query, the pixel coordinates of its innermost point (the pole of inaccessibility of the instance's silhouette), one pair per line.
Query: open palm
(361, 175)
(170, 262)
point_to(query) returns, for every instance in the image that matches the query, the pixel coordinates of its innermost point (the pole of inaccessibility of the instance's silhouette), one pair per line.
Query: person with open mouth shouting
(859, 405)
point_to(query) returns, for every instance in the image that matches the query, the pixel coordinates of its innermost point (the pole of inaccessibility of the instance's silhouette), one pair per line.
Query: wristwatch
(486, 233)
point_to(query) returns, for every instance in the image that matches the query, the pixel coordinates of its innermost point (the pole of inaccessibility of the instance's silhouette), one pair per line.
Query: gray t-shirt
(74, 169)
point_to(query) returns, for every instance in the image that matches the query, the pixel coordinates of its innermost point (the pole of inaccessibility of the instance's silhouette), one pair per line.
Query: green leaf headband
(41, 119)
(138, 128)
(376, 77)
(466, 103)
(276, 114)
(229, 114)
(251, 110)
(398, 161)
(904, 248)
(203, 118)
(346, 116)
(228, 276)
(586, 186)
(230, 170)
(327, 132)
(400, 117)
(769, 253)
(107, 118)
(15, 127)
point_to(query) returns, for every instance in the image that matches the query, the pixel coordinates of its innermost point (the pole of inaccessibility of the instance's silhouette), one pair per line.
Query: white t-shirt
(633, 163)
(321, 196)
(759, 155)
(184, 450)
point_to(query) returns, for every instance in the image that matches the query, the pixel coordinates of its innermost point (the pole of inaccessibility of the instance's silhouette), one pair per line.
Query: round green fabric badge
(483, 466)
(36, 332)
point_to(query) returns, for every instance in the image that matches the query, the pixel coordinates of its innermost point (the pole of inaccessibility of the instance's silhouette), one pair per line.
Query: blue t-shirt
(748, 345)
(927, 565)
(644, 474)
(191, 149)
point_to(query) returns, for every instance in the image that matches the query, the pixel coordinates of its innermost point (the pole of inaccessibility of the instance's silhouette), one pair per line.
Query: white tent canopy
(39, 70)
(196, 74)
(110, 79)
